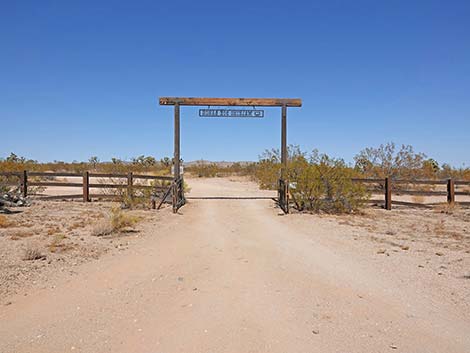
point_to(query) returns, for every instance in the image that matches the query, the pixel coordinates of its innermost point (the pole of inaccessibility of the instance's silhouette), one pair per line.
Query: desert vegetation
(140, 164)
(318, 182)
(116, 221)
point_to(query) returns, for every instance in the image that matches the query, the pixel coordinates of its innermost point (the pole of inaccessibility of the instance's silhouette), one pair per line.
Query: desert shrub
(116, 221)
(32, 252)
(120, 220)
(4, 222)
(388, 160)
(57, 243)
(318, 182)
(102, 228)
(268, 169)
(325, 184)
(140, 197)
(204, 170)
(447, 171)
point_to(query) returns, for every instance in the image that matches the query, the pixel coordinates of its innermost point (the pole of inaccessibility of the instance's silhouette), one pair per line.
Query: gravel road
(234, 276)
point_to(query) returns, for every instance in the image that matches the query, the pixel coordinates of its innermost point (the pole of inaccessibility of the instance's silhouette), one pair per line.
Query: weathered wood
(152, 177)
(283, 195)
(388, 194)
(130, 182)
(124, 186)
(108, 175)
(418, 192)
(401, 181)
(52, 183)
(178, 194)
(164, 197)
(176, 157)
(450, 191)
(256, 102)
(420, 182)
(283, 141)
(366, 180)
(55, 174)
(24, 183)
(462, 182)
(86, 187)
(60, 197)
(134, 176)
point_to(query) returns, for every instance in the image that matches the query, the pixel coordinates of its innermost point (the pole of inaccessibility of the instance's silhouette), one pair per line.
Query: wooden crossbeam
(252, 102)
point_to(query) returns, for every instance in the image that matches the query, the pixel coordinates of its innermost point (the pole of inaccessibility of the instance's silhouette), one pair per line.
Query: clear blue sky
(82, 78)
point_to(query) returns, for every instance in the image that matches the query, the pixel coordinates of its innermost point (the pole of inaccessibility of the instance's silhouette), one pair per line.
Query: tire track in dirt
(228, 276)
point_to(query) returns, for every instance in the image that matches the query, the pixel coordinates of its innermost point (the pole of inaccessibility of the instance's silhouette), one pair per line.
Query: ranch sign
(231, 113)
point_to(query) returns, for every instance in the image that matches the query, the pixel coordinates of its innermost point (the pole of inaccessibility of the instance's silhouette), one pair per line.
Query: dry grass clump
(102, 228)
(77, 225)
(21, 233)
(53, 230)
(56, 243)
(33, 253)
(117, 221)
(4, 222)
(447, 208)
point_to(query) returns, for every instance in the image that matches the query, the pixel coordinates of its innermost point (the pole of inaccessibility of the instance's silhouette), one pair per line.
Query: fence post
(388, 194)
(130, 182)
(86, 187)
(450, 191)
(24, 183)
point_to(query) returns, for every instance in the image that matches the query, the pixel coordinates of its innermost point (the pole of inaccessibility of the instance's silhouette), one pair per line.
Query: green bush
(318, 182)
(324, 184)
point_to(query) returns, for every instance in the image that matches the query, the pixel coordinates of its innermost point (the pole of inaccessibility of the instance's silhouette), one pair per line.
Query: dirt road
(235, 276)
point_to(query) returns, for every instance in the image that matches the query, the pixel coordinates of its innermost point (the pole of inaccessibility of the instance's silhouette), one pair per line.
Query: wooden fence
(387, 186)
(391, 187)
(25, 181)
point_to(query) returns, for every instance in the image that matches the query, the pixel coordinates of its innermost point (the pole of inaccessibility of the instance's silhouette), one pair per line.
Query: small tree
(94, 160)
(388, 160)
(166, 162)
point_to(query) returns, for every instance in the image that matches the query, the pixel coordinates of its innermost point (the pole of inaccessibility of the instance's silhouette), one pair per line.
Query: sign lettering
(231, 113)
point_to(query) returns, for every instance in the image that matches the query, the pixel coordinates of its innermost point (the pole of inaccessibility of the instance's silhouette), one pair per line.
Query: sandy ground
(233, 275)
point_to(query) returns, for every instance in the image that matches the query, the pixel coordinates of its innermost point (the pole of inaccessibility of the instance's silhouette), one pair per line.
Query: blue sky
(82, 78)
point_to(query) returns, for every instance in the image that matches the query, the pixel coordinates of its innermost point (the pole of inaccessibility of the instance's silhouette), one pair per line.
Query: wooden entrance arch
(284, 103)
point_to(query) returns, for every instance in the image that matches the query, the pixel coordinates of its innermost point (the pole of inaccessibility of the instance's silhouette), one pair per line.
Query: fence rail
(389, 189)
(388, 186)
(24, 183)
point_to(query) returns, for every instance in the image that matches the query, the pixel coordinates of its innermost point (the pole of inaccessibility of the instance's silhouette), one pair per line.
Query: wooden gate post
(388, 193)
(24, 183)
(284, 142)
(86, 187)
(450, 191)
(176, 156)
(283, 193)
(130, 183)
